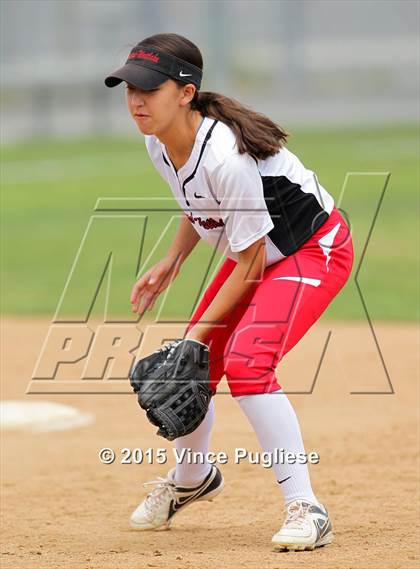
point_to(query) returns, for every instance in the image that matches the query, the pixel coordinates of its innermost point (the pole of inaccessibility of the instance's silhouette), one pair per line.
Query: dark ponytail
(255, 133)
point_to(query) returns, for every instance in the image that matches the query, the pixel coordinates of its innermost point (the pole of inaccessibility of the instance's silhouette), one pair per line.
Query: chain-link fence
(304, 62)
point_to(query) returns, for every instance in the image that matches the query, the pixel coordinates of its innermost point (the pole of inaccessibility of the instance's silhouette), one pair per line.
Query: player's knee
(252, 374)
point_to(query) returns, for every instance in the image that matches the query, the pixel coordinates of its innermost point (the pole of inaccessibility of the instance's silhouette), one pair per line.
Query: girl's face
(154, 111)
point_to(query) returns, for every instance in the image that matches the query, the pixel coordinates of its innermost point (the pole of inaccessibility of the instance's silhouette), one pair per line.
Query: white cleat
(161, 504)
(307, 526)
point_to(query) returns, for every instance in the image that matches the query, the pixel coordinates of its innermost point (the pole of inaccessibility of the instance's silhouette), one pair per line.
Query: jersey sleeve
(239, 190)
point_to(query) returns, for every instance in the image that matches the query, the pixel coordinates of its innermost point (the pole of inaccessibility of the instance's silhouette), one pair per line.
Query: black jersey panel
(296, 214)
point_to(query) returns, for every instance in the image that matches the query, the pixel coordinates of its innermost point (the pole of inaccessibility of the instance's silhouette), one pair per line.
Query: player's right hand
(152, 283)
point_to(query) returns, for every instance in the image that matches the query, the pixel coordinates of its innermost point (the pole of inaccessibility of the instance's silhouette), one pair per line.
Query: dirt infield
(62, 508)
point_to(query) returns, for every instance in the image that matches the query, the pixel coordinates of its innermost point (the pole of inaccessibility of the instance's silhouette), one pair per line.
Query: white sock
(276, 426)
(187, 473)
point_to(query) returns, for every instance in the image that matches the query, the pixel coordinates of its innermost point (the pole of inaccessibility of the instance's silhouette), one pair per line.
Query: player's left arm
(247, 273)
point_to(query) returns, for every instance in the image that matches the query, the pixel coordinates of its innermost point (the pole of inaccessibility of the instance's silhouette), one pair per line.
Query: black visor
(146, 68)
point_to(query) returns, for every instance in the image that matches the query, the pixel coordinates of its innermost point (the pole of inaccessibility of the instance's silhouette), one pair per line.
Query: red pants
(269, 320)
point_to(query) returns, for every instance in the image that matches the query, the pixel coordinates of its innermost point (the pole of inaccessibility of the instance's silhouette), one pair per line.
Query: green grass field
(50, 188)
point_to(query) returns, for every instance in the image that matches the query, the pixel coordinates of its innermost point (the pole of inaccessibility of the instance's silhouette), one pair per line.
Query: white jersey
(234, 199)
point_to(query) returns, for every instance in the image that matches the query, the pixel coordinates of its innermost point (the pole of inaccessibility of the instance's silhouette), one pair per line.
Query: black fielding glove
(172, 386)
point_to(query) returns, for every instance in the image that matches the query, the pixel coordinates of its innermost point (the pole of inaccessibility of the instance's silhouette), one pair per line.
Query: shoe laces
(164, 488)
(296, 514)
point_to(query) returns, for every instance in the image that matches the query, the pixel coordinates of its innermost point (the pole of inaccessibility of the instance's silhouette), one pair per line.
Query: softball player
(288, 253)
